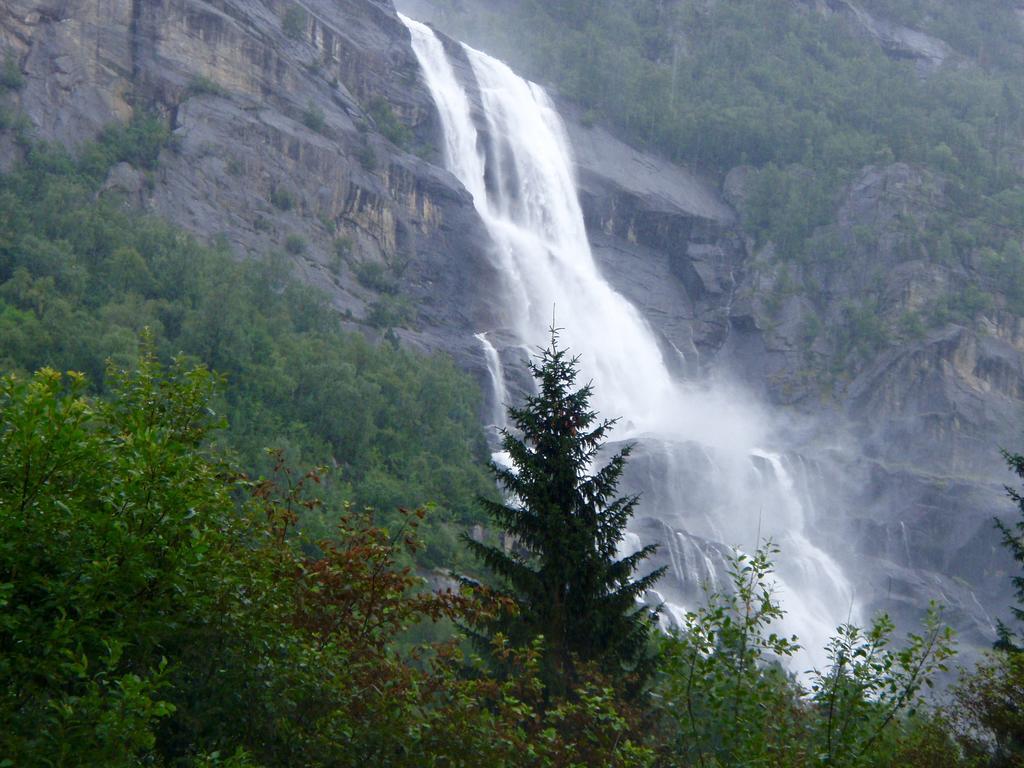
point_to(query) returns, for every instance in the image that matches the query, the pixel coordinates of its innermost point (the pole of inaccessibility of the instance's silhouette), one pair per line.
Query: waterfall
(497, 374)
(514, 159)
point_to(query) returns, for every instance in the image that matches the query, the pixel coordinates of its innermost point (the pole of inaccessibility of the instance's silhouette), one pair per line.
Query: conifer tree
(1013, 540)
(566, 523)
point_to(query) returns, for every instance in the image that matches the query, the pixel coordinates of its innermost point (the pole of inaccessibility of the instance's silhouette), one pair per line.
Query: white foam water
(496, 371)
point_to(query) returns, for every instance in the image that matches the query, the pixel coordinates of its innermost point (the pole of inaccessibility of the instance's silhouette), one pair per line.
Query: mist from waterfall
(517, 165)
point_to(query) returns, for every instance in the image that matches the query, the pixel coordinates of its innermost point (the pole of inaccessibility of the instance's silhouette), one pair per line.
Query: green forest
(81, 277)
(159, 607)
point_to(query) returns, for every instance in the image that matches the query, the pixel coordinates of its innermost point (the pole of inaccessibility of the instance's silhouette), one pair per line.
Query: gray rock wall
(246, 163)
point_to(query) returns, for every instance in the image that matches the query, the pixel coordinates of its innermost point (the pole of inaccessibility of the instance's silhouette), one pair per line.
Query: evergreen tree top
(567, 521)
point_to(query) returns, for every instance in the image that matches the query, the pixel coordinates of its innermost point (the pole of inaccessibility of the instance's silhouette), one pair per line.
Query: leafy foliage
(138, 142)
(294, 21)
(724, 699)
(721, 682)
(986, 714)
(1013, 540)
(156, 609)
(11, 77)
(112, 524)
(282, 199)
(387, 122)
(200, 85)
(376, 276)
(566, 524)
(868, 685)
(313, 118)
(295, 244)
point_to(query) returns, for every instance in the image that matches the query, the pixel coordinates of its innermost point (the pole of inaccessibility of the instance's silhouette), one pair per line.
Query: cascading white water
(525, 193)
(495, 371)
(518, 168)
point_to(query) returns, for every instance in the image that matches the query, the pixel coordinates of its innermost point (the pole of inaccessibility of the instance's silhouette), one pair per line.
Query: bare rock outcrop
(304, 143)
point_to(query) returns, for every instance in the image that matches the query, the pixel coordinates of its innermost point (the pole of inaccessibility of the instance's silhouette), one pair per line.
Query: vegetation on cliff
(804, 97)
(81, 274)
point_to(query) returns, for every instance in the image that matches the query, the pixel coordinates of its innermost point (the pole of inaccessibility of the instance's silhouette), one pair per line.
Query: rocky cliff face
(307, 142)
(899, 453)
(304, 128)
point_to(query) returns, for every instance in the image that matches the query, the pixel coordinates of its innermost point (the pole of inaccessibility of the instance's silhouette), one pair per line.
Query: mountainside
(277, 133)
(853, 272)
(878, 309)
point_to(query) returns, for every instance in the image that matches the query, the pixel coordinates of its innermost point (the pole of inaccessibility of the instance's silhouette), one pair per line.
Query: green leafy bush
(724, 698)
(295, 21)
(92, 596)
(295, 245)
(390, 312)
(375, 276)
(281, 198)
(387, 122)
(11, 78)
(342, 253)
(138, 142)
(313, 118)
(365, 155)
(201, 85)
